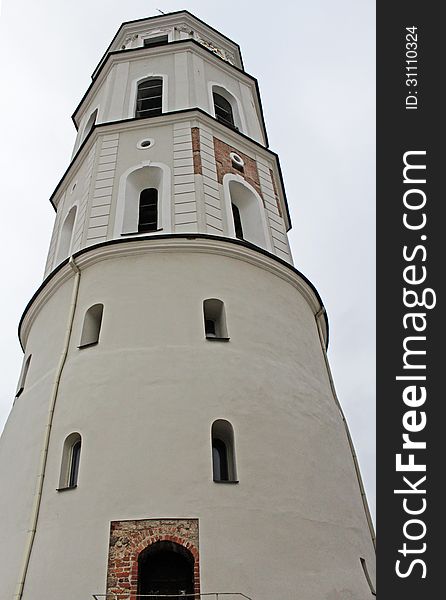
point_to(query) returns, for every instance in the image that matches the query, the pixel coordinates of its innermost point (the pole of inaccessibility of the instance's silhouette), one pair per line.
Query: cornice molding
(119, 56)
(181, 244)
(236, 138)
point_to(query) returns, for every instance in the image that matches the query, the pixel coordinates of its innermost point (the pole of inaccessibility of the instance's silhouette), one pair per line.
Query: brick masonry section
(129, 538)
(224, 165)
(196, 150)
(275, 191)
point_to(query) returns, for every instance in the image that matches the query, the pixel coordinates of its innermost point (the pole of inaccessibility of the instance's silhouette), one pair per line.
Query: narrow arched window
(23, 374)
(237, 222)
(223, 452)
(90, 123)
(74, 463)
(144, 201)
(71, 455)
(248, 212)
(215, 320)
(148, 210)
(149, 100)
(66, 235)
(92, 325)
(223, 110)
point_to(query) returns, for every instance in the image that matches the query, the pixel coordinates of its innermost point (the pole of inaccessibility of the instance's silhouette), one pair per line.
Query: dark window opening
(149, 101)
(160, 40)
(166, 568)
(220, 460)
(223, 452)
(148, 210)
(223, 110)
(210, 327)
(237, 222)
(214, 320)
(74, 464)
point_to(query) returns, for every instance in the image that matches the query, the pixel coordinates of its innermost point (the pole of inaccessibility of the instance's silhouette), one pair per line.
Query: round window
(237, 160)
(146, 143)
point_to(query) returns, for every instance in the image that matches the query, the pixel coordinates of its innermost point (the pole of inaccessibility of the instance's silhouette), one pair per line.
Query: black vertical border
(400, 130)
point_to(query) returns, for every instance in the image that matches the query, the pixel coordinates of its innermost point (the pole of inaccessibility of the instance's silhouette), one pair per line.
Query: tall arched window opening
(237, 221)
(223, 452)
(223, 110)
(166, 568)
(90, 123)
(66, 235)
(23, 375)
(247, 211)
(74, 464)
(149, 100)
(71, 456)
(144, 202)
(92, 325)
(148, 210)
(215, 320)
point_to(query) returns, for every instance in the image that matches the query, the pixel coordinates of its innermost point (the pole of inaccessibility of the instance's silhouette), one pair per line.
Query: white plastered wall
(145, 398)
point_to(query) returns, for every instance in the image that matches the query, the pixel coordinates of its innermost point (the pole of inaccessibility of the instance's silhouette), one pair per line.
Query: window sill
(68, 487)
(141, 232)
(218, 339)
(88, 345)
(223, 481)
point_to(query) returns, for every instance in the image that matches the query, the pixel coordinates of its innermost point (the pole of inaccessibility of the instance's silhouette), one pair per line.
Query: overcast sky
(315, 62)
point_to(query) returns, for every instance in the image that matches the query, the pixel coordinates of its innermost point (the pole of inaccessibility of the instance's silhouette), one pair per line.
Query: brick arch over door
(129, 538)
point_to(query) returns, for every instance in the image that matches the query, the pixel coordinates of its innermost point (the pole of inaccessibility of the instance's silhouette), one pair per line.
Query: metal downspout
(44, 454)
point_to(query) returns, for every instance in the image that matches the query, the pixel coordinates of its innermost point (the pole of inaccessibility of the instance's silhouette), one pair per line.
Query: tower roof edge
(171, 19)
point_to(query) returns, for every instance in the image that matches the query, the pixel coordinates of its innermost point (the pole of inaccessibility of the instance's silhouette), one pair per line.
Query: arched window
(92, 325)
(165, 568)
(223, 109)
(66, 235)
(23, 374)
(223, 452)
(90, 123)
(226, 107)
(71, 456)
(246, 208)
(149, 99)
(148, 210)
(215, 320)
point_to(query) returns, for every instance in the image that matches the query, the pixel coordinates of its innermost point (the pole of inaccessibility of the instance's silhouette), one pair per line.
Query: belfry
(175, 431)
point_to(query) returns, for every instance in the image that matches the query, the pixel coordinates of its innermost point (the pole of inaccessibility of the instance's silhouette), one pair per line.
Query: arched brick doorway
(135, 544)
(165, 568)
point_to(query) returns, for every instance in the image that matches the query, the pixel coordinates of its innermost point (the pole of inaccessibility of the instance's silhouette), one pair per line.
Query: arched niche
(66, 235)
(166, 568)
(223, 452)
(90, 123)
(133, 182)
(250, 224)
(71, 454)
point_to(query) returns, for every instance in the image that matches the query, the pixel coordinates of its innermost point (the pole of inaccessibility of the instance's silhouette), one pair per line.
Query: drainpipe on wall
(44, 454)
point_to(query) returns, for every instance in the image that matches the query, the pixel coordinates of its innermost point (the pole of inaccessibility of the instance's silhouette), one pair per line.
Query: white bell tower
(175, 429)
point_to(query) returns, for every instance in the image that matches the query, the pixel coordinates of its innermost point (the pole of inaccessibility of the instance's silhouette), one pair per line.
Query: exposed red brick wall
(275, 192)
(224, 165)
(196, 150)
(129, 538)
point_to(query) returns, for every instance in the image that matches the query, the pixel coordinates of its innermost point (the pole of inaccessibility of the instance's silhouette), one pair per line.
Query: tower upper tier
(171, 140)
